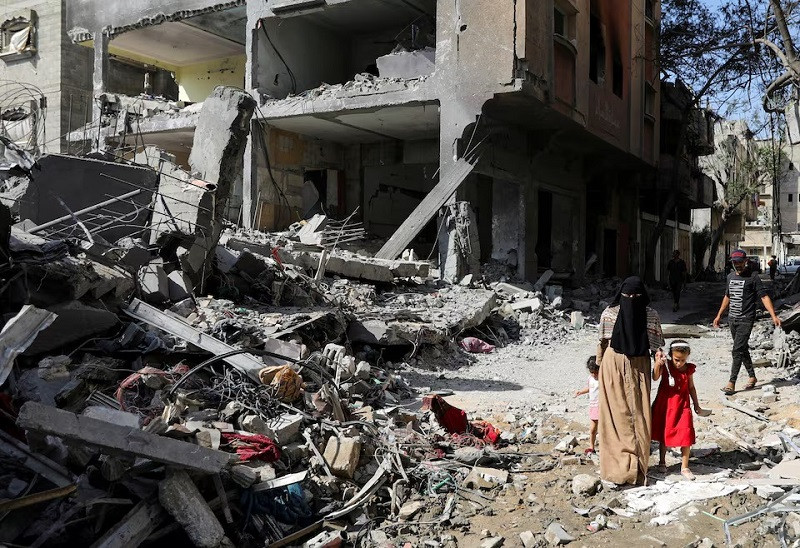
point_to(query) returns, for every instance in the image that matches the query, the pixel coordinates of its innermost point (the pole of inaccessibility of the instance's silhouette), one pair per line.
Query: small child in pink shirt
(593, 389)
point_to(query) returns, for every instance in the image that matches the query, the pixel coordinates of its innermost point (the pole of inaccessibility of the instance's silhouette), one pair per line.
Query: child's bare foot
(686, 473)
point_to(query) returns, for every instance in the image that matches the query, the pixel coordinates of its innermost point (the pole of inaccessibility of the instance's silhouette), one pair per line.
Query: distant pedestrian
(629, 332)
(673, 424)
(773, 267)
(741, 289)
(593, 389)
(677, 273)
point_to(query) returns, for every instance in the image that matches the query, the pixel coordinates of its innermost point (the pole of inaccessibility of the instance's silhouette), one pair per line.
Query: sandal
(589, 451)
(661, 468)
(686, 473)
(751, 383)
(729, 389)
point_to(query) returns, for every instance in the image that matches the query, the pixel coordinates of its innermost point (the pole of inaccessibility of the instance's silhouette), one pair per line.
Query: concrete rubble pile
(169, 380)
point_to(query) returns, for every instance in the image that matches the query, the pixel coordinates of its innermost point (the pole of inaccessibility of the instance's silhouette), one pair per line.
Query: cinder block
(342, 455)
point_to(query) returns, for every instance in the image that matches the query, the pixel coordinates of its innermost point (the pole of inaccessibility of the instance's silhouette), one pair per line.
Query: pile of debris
(270, 412)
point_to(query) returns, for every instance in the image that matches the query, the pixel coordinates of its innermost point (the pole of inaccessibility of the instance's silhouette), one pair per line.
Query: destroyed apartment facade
(543, 142)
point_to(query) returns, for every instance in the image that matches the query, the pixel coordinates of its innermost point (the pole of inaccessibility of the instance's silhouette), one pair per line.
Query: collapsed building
(537, 126)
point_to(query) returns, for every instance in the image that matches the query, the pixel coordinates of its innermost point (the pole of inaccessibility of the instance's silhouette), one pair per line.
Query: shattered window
(17, 37)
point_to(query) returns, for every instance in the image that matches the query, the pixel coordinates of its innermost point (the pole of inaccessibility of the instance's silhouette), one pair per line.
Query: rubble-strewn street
(399, 273)
(312, 396)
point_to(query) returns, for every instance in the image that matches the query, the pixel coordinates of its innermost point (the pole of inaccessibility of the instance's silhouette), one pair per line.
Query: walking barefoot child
(673, 424)
(593, 389)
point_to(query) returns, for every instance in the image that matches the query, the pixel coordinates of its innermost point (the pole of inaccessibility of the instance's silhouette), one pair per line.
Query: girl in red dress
(673, 424)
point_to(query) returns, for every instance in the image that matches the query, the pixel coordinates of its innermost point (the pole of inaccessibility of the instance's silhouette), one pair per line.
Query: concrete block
(576, 319)
(251, 264)
(527, 539)
(193, 257)
(543, 279)
(180, 497)
(407, 64)
(180, 286)
(283, 429)
(534, 305)
(133, 253)
(76, 321)
(153, 283)
(555, 535)
(342, 455)
(226, 258)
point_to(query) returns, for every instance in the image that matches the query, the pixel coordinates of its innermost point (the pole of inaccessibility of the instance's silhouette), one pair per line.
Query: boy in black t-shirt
(741, 289)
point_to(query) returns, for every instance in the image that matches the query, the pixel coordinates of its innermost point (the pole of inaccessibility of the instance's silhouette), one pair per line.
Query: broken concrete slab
(19, 333)
(407, 64)
(311, 232)
(555, 534)
(75, 321)
(182, 500)
(115, 439)
(83, 182)
(340, 263)
(180, 286)
(342, 454)
(246, 363)
(153, 283)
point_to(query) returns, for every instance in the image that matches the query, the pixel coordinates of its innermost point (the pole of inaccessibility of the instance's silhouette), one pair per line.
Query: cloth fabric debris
(253, 446)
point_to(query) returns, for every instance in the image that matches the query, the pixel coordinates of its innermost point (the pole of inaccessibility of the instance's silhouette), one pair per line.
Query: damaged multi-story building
(523, 133)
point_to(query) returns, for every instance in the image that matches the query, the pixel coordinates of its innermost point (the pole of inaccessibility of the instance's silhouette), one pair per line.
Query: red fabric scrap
(454, 420)
(253, 446)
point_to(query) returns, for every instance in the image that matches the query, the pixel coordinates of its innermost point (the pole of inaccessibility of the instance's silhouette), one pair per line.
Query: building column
(99, 79)
(250, 173)
(454, 264)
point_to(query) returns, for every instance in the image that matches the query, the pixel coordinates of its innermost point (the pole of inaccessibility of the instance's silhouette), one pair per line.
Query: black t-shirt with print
(742, 289)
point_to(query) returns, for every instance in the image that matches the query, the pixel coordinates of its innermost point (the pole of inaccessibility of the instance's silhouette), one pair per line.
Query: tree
(711, 52)
(739, 168)
(787, 55)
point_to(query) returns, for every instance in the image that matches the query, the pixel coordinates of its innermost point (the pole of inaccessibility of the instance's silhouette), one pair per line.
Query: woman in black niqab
(630, 330)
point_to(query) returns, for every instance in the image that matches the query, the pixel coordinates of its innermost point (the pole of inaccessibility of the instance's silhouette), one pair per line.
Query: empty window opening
(597, 51)
(617, 76)
(559, 23)
(790, 198)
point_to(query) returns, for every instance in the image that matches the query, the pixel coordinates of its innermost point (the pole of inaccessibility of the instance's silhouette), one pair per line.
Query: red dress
(673, 423)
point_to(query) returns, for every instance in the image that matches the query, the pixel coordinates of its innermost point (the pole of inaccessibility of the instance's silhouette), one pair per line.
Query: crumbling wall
(196, 82)
(311, 55)
(90, 16)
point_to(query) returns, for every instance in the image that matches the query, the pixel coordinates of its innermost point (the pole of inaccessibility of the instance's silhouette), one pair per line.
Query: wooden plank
(425, 211)
(114, 439)
(36, 498)
(51, 471)
(135, 527)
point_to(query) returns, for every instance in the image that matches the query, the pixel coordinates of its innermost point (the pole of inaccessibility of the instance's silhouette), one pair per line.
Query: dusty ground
(528, 380)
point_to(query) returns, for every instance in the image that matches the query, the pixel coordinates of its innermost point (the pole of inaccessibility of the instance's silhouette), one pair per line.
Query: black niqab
(630, 330)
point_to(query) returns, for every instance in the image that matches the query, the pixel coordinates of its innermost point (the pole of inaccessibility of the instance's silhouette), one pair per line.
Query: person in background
(741, 289)
(773, 267)
(677, 273)
(630, 333)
